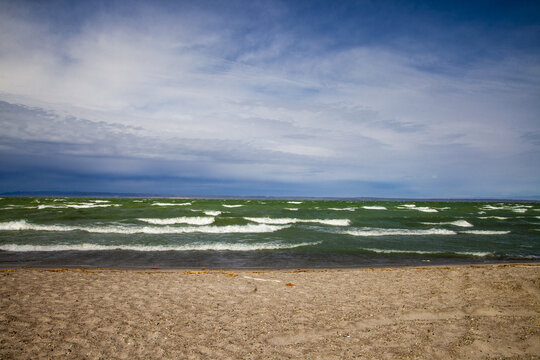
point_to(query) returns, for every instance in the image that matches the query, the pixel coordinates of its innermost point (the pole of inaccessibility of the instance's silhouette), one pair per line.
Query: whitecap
(76, 206)
(374, 207)
(418, 208)
(343, 209)
(197, 220)
(212, 212)
(484, 232)
(101, 201)
(460, 223)
(280, 221)
(171, 204)
(125, 229)
(398, 232)
(291, 209)
(231, 206)
(294, 202)
(183, 247)
(392, 251)
(493, 217)
(519, 210)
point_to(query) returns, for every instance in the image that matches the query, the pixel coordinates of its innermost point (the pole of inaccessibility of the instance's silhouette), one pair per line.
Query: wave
(124, 229)
(392, 251)
(493, 217)
(291, 209)
(75, 206)
(171, 204)
(212, 213)
(186, 247)
(197, 220)
(520, 209)
(343, 209)
(418, 208)
(101, 201)
(231, 206)
(294, 202)
(398, 232)
(485, 232)
(374, 207)
(282, 221)
(460, 223)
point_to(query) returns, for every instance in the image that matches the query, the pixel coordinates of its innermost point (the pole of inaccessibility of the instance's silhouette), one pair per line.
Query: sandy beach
(439, 312)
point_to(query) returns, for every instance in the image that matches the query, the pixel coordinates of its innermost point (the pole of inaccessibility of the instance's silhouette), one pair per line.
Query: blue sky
(285, 98)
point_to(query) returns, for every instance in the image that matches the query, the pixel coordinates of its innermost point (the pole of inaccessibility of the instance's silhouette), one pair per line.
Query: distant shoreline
(249, 197)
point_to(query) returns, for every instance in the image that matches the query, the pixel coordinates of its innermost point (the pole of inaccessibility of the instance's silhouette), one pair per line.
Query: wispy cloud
(215, 94)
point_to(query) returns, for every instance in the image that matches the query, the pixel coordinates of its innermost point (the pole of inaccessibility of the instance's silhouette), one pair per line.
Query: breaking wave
(392, 251)
(282, 221)
(186, 247)
(170, 204)
(398, 232)
(418, 208)
(485, 232)
(374, 207)
(124, 229)
(198, 220)
(460, 223)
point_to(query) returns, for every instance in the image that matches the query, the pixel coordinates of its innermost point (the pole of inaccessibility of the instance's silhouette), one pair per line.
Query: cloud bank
(244, 98)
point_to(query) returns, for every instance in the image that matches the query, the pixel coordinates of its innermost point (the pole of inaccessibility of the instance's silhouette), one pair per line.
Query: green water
(286, 229)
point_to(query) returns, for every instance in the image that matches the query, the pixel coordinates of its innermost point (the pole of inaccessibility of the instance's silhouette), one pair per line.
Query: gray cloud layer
(195, 95)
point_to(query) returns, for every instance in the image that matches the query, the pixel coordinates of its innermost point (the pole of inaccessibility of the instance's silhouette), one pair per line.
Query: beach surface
(436, 312)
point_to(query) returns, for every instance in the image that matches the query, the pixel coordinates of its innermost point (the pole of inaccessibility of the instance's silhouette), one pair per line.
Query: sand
(457, 312)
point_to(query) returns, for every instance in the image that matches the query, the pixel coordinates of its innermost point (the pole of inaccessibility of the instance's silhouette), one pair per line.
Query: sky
(383, 98)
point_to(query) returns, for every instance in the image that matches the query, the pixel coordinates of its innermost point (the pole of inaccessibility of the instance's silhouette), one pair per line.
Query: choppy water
(262, 233)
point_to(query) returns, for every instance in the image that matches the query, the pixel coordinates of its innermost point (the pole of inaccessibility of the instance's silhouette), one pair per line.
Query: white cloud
(168, 88)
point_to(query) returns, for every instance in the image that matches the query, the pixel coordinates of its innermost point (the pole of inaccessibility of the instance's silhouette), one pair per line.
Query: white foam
(212, 213)
(392, 251)
(493, 217)
(460, 223)
(485, 232)
(374, 207)
(343, 209)
(196, 220)
(101, 201)
(398, 232)
(280, 221)
(291, 209)
(186, 247)
(491, 207)
(418, 208)
(294, 202)
(410, 206)
(515, 208)
(76, 206)
(171, 204)
(231, 206)
(124, 229)
(519, 210)
(137, 201)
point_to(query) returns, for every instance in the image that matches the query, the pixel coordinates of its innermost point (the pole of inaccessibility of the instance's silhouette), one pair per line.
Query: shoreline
(454, 311)
(532, 263)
